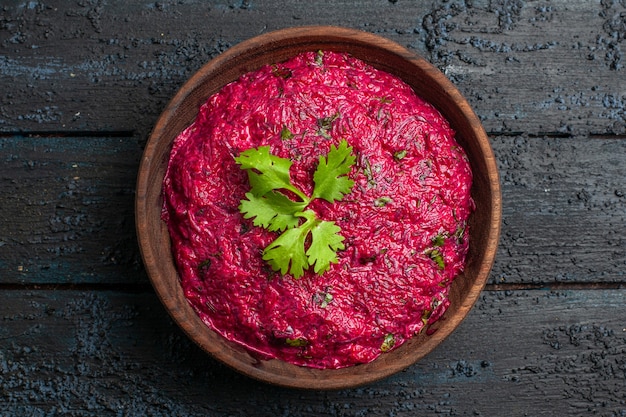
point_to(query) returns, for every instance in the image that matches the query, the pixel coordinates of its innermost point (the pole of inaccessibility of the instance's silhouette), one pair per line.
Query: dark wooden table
(81, 330)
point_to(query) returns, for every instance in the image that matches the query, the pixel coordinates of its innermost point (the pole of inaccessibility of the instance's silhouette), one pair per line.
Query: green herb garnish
(460, 233)
(206, 264)
(323, 299)
(327, 300)
(324, 125)
(319, 57)
(388, 343)
(435, 255)
(272, 209)
(439, 240)
(367, 170)
(399, 154)
(382, 201)
(426, 315)
(281, 72)
(297, 342)
(383, 100)
(286, 134)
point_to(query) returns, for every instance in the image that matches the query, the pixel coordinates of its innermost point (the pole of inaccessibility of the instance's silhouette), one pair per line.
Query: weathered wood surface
(81, 85)
(564, 210)
(67, 210)
(536, 353)
(535, 66)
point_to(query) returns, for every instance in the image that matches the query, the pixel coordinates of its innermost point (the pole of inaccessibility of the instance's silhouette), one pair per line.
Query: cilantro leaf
(266, 172)
(330, 177)
(273, 211)
(325, 242)
(286, 253)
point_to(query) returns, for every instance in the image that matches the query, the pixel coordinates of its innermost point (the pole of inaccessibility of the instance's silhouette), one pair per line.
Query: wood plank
(536, 353)
(525, 66)
(564, 217)
(535, 66)
(67, 210)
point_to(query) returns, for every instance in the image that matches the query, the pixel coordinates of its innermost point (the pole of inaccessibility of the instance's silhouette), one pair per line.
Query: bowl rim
(303, 377)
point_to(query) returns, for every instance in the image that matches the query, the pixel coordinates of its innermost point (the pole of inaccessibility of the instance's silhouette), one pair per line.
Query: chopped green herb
(327, 300)
(367, 170)
(434, 253)
(399, 154)
(286, 134)
(460, 233)
(382, 201)
(319, 57)
(439, 240)
(281, 72)
(323, 298)
(383, 100)
(388, 343)
(426, 315)
(324, 125)
(436, 256)
(297, 342)
(271, 209)
(206, 264)
(327, 122)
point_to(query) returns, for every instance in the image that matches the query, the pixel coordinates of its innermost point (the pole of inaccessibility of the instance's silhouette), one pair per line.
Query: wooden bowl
(278, 46)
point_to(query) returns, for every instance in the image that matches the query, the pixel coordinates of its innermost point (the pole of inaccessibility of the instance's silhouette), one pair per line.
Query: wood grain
(535, 67)
(67, 210)
(118, 353)
(564, 217)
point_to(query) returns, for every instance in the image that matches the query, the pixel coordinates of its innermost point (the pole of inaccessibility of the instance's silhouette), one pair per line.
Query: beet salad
(318, 210)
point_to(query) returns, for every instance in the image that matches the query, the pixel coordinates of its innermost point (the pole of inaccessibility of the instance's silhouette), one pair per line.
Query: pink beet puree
(404, 222)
